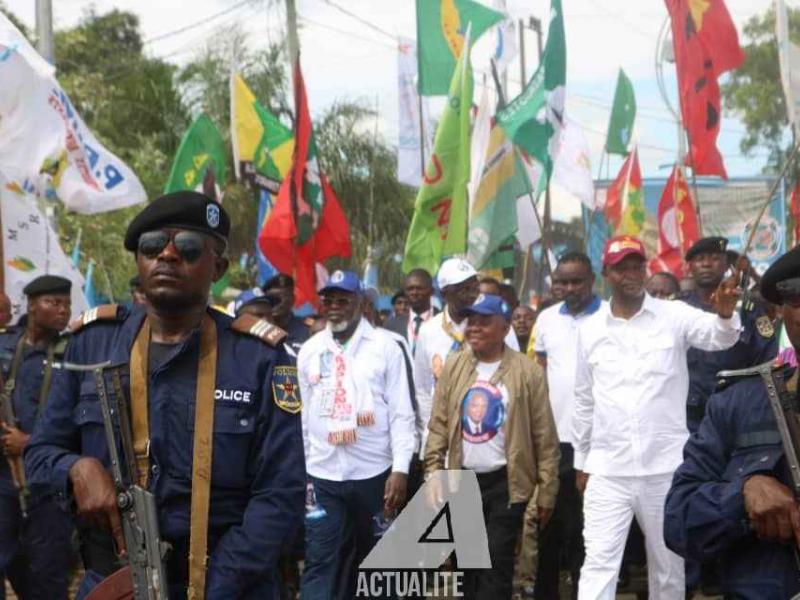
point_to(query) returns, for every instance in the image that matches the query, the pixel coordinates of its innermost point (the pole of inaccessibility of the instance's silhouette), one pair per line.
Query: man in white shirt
(560, 544)
(444, 333)
(629, 422)
(418, 288)
(358, 429)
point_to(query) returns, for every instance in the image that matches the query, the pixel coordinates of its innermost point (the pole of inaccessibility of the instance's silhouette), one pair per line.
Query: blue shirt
(757, 344)
(258, 468)
(705, 517)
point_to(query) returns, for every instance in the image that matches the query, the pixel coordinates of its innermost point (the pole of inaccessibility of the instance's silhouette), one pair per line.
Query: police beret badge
(764, 326)
(286, 390)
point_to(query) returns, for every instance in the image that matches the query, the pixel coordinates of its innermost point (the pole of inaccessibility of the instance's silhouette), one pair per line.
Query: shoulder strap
(105, 312)
(11, 382)
(259, 328)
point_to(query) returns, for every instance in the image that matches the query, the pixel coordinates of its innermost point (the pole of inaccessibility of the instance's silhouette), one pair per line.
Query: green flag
(439, 226)
(441, 25)
(200, 162)
(622, 116)
(493, 218)
(533, 117)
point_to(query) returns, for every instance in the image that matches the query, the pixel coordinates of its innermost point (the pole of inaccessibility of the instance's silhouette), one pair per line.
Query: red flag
(307, 224)
(796, 212)
(706, 45)
(677, 222)
(614, 195)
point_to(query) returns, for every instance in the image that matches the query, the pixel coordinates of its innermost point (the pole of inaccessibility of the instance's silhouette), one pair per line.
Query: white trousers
(609, 505)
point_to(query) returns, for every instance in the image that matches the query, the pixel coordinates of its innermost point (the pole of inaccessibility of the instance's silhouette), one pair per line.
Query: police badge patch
(212, 215)
(764, 326)
(285, 389)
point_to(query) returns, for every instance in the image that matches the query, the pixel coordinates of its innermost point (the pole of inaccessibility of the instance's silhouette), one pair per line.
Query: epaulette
(259, 328)
(104, 312)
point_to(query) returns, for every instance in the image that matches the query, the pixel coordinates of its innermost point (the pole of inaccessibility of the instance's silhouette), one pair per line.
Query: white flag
(409, 155)
(507, 47)
(30, 248)
(45, 142)
(572, 171)
(528, 230)
(479, 146)
(789, 58)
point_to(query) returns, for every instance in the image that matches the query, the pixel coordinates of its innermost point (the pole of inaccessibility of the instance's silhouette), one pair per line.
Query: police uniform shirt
(258, 474)
(433, 346)
(390, 442)
(757, 344)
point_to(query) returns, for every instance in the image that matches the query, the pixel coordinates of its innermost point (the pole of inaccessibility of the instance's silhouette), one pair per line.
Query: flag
(29, 247)
(795, 208)
(678, 228)
(623, 114)
(706, 45)
(76, 250)
(89, 291)
(439, 225)
(441, 27)
(414, 138)
(789, 59)
(307, 225)
(200, 162)
(573, 167)
(493, 216)
(479, 145)
(624, 207)
(262, 145)
(262, 156)
(532, 118)
(507, 48)
(45, 144)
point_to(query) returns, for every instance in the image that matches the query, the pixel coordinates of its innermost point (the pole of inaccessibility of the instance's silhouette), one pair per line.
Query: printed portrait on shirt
(482, 413)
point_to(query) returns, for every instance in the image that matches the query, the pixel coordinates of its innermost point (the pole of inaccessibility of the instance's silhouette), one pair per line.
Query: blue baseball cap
(488, 304)
(343, 281)
(250, 296)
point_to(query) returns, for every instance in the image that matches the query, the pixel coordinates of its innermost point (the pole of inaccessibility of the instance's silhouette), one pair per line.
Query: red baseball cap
(620, 246)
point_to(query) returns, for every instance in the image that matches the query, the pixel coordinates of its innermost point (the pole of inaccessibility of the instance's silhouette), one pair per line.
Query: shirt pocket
(656, 354)
(88, 417)
(606, 360)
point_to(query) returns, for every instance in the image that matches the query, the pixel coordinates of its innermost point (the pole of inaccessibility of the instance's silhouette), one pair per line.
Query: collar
(649, 305)
(364, 330)
(424, 315)
(591, 308)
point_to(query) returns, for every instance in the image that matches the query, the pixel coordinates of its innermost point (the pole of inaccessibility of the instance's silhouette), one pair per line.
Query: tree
(754, 90)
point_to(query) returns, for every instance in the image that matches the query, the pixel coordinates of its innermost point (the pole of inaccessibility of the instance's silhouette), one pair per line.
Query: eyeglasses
(189, 244)
(339, 301)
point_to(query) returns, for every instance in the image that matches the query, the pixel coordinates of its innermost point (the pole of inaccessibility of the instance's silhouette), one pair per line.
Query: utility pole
(44, 29)
(291, 33)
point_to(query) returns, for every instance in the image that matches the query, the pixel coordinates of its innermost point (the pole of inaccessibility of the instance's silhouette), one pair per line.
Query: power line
(361, 20)
(196, 24)
(347, 33)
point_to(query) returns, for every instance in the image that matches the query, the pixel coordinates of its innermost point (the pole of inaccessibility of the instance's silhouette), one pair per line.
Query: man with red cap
(629, 425)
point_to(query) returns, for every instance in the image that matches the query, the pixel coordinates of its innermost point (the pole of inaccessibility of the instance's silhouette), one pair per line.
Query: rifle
(787, 416)
(15, 463)
(145, 576)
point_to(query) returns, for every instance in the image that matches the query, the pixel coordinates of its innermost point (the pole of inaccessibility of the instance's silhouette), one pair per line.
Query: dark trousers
(36, 553)
(503, 528)
(561, 542)
(357, 504)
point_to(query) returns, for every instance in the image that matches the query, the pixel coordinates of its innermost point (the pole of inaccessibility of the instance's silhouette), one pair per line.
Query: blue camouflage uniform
(35, 552)
(704, 515)
(258, 469)
(757, 344)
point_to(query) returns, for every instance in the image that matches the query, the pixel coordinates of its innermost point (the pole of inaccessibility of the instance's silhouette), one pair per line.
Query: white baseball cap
(454, 271)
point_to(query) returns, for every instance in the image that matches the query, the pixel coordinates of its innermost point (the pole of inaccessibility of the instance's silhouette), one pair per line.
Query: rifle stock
(15, 463)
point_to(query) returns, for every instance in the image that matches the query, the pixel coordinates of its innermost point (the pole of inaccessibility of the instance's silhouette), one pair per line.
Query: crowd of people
(280, 450)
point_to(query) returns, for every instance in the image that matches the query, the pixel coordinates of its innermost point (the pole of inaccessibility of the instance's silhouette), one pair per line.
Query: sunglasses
(189, 244)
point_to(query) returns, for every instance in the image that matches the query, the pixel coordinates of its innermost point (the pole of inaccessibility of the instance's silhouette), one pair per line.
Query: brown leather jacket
(532, 450)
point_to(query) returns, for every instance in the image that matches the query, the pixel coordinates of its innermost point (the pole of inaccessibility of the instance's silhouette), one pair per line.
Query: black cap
(47, 284)
(280, 280)
(185, 210)
(707, 245)
(786, 267)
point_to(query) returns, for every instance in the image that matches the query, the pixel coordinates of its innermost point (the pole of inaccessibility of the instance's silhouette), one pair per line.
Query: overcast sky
(344, 57)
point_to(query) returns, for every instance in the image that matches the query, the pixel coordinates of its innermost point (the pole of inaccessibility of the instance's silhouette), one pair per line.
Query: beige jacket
(532, 450)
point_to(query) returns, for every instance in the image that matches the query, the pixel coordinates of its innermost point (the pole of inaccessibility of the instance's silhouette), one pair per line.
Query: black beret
(48, 284)
(185, 210)
(281, 280)
(786, 267)
(706, 245)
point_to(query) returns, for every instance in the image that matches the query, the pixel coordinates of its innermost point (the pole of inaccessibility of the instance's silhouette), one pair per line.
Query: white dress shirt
(411, 327)
(391, 441)
(433, 346)
(632, 382)
(557, 340)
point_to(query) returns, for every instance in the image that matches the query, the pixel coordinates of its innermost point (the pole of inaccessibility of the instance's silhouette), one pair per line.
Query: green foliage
(754, 90)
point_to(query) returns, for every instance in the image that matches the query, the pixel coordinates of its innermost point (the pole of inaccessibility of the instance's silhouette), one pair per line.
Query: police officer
(35, 529)
(729, 499)
(183, 362)
(708, 262)
(279, 291)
